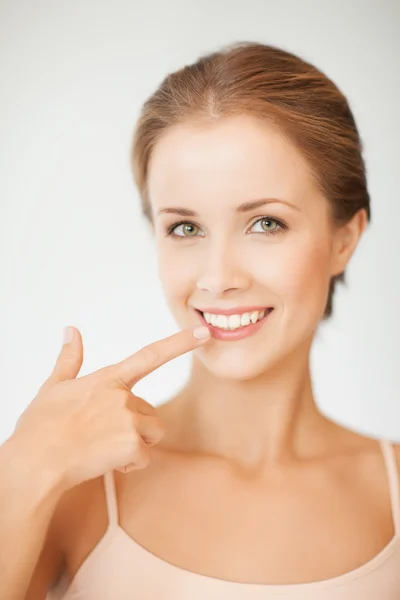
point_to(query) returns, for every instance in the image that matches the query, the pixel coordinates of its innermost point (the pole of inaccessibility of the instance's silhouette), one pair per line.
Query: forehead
(234, 158)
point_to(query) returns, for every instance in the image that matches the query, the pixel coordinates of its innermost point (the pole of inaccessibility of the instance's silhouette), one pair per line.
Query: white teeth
(213, 319)
(232, 322)
(222, 321)
(245, 319)
(253, 316)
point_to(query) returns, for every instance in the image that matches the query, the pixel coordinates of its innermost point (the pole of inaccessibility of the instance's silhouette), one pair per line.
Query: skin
(253, 479)
(255, 392)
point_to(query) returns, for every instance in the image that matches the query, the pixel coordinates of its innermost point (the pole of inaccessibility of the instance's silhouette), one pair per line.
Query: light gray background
(74, 247)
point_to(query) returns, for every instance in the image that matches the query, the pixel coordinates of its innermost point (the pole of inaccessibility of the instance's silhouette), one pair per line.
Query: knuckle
(130, 419)
(129, 403)
(125, 397)
(115, 380)
(105, 377)
(145, 408)
(127, 468)
(134, 446)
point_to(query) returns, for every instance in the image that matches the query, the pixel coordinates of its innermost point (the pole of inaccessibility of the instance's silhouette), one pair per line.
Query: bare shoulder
(373, 453)
(396, 447)
(367, 449)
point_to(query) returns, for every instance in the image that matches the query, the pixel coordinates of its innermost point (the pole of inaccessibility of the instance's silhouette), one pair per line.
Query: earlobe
(346, 240)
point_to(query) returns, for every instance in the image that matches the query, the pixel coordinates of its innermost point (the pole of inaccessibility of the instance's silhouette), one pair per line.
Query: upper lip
(232, 311)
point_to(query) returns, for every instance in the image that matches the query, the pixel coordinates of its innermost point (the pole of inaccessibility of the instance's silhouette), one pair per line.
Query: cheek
(294, 274)
(176, 274)
(297, 274)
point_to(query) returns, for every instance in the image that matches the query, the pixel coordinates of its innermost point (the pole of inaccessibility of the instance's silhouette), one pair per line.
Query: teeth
(222, 322)
(245, 319)
(253, 316)
(213, 320)
(234, 321)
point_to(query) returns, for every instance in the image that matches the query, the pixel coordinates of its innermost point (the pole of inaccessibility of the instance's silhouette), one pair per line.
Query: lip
(234, 334)
(231, 311)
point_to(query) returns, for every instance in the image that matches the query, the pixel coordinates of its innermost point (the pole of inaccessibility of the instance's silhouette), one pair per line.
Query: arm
(29, 493)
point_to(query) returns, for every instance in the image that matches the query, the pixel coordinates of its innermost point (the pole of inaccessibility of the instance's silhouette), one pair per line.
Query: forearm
(29, 492)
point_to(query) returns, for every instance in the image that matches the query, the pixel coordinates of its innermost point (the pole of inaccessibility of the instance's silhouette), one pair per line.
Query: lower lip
(235, 334)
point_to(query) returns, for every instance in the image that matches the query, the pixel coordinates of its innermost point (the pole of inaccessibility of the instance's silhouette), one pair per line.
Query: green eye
(189, 229)
(269, 222)
(277, 226)
(269, 226)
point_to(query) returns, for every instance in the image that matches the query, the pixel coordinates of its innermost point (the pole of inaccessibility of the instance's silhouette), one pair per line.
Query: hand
(86, 426)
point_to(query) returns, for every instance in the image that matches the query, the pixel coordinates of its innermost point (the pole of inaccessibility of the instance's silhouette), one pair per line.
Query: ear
(345, 240)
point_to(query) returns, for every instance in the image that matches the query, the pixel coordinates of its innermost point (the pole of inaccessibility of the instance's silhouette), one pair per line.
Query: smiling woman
(274, 89)
(249, 158)
(257, 154)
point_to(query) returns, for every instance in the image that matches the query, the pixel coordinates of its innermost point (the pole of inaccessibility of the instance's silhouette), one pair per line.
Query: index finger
(154, 355)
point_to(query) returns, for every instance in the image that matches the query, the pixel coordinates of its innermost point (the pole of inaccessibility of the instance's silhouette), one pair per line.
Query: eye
(189, 229)
(266, 222)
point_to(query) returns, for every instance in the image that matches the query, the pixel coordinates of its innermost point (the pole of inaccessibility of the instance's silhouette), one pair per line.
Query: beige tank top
(119, 568)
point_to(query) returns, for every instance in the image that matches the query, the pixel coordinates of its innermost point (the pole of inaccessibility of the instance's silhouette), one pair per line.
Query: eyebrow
(242, 208)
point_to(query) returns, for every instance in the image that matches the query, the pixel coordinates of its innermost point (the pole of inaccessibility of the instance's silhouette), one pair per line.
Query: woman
(250, 170)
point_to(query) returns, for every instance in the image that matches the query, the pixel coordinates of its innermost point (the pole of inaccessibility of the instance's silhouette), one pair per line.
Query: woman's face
(278, 254)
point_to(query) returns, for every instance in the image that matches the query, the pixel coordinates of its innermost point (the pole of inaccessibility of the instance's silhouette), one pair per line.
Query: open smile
(220, 327)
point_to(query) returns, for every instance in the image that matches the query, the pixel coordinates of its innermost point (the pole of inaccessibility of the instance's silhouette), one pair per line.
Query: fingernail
(68, 335)
(201, 332)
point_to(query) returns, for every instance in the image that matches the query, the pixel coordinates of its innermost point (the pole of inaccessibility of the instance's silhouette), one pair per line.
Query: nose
(222, 271)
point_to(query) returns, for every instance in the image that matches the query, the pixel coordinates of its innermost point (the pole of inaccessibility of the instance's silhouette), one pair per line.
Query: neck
(250, 423)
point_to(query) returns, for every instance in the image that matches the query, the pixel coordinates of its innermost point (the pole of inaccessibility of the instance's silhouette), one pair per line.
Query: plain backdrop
(74, 246)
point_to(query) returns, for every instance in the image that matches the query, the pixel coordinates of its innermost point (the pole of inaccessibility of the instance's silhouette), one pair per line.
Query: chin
(235, 364)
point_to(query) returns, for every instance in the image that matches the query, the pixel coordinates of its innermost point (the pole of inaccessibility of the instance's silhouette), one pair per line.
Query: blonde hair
(271, 84)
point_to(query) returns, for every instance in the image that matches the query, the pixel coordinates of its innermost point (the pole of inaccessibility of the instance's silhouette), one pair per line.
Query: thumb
(70, 358)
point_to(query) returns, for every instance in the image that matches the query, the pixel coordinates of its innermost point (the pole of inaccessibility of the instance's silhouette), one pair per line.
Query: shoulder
(368, 452)
(396, 452)
(396, 448)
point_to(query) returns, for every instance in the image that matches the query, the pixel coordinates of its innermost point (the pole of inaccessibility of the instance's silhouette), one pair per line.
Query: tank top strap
(111, 498)
(393, 479)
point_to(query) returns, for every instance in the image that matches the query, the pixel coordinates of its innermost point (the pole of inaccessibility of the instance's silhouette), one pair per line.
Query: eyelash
(281, 227)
